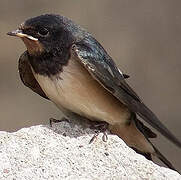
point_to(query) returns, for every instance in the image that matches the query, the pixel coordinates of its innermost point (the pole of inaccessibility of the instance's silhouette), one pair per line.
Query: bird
(65, 64)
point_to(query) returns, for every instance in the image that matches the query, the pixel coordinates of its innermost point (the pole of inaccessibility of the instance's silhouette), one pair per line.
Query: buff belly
(74, 89)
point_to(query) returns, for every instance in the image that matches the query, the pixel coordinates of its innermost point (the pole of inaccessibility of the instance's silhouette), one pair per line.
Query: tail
(128, 97)
(136, 135)
(150, 118)
(149, 134)
(160, 156)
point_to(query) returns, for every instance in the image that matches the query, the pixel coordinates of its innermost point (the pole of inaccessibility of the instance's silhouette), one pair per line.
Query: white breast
(74, 89)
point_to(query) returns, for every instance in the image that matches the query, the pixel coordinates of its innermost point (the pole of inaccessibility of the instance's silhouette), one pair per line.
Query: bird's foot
(100, 127)
(52, 120)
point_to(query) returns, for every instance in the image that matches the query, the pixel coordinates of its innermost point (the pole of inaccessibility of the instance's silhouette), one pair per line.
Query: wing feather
(27, 76)
(103, 69)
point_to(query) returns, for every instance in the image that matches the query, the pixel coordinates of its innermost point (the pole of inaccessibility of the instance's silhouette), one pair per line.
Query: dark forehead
(55, 22)
(47, 20)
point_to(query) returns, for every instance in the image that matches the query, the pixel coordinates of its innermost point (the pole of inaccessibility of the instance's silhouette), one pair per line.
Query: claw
(105, 137)
(94, 137)
(102, 127)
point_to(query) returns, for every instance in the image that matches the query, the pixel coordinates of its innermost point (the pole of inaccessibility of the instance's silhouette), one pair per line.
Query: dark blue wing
(27, 76)
(100, 65)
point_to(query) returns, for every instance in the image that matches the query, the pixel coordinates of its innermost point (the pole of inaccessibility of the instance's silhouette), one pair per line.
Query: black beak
(19, 33)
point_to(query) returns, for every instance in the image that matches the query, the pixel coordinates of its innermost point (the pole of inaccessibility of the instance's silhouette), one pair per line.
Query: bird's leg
(100, 127)
(52, 120)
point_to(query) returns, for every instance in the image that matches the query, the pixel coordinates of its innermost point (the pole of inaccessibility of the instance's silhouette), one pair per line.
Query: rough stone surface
(64, 152)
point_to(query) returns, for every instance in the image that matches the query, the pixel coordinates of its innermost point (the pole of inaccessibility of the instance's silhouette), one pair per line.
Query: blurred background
(143, 37)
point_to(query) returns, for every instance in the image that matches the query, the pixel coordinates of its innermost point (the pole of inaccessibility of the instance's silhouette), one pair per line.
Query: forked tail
(149, 134)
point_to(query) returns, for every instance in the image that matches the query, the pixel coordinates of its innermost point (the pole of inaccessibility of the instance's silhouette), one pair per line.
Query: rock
(64, 152)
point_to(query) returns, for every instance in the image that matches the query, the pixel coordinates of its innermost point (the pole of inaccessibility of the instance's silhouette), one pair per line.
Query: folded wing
(103, 69)
(27, 76)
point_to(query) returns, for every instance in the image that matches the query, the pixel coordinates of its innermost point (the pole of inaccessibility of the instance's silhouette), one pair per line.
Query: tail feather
(158, 155)
(163, 158)
(145, 130)
(150, 118)
(149, 134)
(127, 96)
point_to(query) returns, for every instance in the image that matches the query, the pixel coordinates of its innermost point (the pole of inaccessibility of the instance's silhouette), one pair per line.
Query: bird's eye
(43, 32)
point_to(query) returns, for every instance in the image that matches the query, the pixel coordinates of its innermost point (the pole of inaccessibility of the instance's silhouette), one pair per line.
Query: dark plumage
(67, 65)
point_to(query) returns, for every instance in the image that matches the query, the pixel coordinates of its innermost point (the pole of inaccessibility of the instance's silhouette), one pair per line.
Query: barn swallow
(67, 65)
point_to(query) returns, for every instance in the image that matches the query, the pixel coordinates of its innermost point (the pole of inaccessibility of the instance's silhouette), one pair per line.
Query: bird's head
(47, 33)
